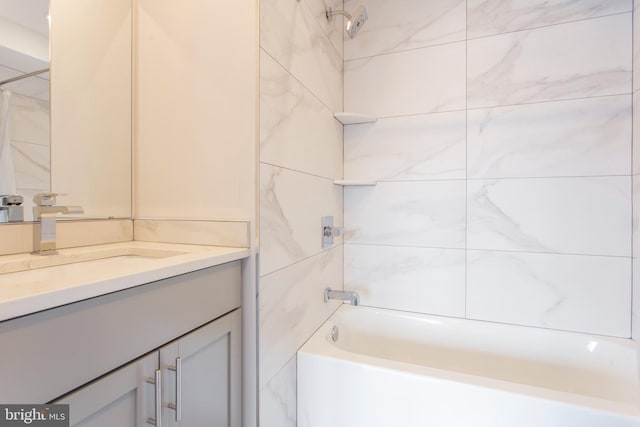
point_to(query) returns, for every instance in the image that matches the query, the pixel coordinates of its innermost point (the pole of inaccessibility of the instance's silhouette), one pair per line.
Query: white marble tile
(430, 146)
(278, 398)
(405, 24)
(18, 237)
(29, 120)
(72, 234)
(291, 207)
(582, 137)
(214, 233)
(333, 27)
(574, 60)
(297, 131)
(291, 307)
(411, 82)
(420, 280)
(419, 213)
(636, 132)
(553, 215)
(290, 33)
(32, 165)
(578, 293)
(636, 48)
(487, 17)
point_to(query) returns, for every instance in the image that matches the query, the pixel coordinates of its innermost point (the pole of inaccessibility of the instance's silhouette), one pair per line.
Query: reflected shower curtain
(7, 171)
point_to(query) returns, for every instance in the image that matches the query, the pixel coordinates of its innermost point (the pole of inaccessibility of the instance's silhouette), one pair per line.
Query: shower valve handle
(333, 231)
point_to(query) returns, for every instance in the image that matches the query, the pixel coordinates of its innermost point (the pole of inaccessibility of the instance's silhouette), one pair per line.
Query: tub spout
(352, 297)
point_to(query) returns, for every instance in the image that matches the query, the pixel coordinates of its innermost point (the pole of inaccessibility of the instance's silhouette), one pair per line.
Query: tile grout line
(321, 252)
(507, 178)
(633, 71)
(299, 81)
(298, 171)
(344, 212)
(467, 38)
(386, 245)
(589, 18)
(633, 130)
(488, 107)
(466, 158)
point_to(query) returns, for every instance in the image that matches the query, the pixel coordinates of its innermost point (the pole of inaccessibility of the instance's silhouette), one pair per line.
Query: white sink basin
(97, 256)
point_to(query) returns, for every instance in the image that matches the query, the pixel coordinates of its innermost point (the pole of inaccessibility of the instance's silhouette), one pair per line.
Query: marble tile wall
(503, 155)
(301, 154)
(635, 327)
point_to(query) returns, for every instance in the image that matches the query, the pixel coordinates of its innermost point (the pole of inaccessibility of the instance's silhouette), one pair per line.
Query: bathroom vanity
(155, 343)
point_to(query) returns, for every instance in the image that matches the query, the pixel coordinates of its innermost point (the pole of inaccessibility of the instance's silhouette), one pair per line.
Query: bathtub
(389, 368)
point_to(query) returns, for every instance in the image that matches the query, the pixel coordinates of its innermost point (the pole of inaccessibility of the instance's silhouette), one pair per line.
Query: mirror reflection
(24, 104)
(67, 130)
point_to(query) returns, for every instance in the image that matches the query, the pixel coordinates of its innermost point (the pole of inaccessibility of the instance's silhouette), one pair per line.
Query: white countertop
(36, 289)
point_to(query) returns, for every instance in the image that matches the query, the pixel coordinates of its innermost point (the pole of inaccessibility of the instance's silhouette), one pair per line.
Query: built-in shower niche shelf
(355, 183)
(354, 118)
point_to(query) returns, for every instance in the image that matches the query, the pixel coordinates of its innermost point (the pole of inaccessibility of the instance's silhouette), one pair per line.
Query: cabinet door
(201, 376)
(123, 398)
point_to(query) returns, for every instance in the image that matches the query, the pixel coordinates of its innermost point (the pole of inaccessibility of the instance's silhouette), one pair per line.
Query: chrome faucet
(10, 208)
(352, 297)
(45, 211)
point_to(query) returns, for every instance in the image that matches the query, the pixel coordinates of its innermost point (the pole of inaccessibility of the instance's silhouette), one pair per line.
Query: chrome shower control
(329, 231)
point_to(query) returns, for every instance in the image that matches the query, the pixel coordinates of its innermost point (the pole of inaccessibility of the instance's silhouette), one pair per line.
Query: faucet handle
(11, 200)
(46, 199)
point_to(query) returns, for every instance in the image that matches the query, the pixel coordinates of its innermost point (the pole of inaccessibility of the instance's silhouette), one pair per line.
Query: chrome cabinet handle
(157, 421)
(178, 405)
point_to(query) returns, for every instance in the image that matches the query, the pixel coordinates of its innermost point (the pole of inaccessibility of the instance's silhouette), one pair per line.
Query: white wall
(195, 112)
(301, 69)
(503, 152)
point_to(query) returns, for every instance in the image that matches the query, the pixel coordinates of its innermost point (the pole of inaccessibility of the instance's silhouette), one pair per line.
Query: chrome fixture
(11, 209)
(45, 211)
(329, 231)
(352, 297)
(354, 22)
(335, 333)
(156, 380)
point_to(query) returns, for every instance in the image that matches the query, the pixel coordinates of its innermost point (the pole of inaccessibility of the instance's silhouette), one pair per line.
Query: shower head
(354, 22)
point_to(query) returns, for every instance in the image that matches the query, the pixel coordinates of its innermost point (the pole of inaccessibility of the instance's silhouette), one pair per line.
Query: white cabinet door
(201, 376)
(123, 398)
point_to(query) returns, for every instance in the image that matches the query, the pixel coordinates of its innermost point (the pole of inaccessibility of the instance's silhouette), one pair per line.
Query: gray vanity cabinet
(122, 398)
(199, 384)
(201, 376)
(97, 355)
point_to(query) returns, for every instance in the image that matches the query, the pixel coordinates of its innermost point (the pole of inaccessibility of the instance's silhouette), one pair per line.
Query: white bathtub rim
(401, 368)
(319, 347)
(621, 340)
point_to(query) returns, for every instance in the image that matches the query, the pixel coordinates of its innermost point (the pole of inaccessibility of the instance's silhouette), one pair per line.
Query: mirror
(24, 109)
(69, 130)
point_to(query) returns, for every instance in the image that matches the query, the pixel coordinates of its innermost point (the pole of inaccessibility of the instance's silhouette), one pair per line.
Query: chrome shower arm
(331, 13)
